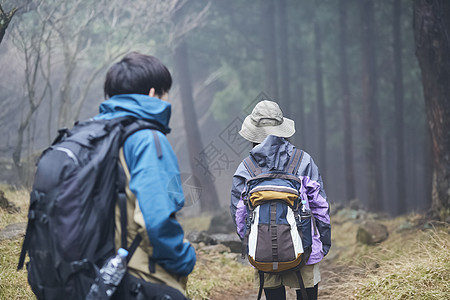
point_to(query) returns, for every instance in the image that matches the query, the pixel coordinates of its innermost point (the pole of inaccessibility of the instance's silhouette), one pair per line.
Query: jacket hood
(136, 105)
(273, 153)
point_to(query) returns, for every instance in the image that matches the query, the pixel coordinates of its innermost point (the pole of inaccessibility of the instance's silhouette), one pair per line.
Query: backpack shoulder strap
(138, 125)
(133, 125)
(261, 284)
(123, 215)
(294, 162)
(252, 167)
(302, 285)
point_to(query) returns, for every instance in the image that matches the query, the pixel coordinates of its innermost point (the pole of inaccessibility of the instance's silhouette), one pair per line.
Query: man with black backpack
(280, 208)
(112, 182)
(138, 86)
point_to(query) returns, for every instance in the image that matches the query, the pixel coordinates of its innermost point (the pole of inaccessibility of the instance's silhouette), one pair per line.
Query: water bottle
(111, 274)
(305, 212)
(305, 220)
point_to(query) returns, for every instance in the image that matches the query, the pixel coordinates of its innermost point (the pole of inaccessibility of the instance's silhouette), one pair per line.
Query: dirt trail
(331, 276)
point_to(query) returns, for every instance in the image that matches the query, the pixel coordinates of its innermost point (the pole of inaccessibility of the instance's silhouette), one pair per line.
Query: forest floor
(413, 263)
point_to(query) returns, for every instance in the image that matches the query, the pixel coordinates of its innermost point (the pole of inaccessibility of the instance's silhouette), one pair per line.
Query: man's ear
(152, 92)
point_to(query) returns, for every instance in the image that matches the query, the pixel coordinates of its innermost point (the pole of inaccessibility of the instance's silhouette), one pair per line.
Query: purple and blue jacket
(274, 153)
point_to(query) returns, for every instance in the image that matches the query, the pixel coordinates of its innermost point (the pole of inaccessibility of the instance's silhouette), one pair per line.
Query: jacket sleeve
(317, 199)
(156, 184)
(237, 208)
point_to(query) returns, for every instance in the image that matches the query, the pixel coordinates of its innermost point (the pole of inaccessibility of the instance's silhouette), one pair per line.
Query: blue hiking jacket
(155, 182)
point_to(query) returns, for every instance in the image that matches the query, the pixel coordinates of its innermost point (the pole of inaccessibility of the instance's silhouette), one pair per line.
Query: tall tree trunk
(285, 96)
(209, 200)
(428, 168)
(346, 107)
(298, 109)
(372, 123)
(17, 153)
(321, 115)
(296, 106)
(268, 47)
(431, 32)
(66, 109)
(399, 119)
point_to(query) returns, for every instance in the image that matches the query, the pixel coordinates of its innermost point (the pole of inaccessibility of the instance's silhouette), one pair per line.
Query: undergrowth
(13, 284)
(410, 264)
(20, 198)
(218, 274)
(420, 271)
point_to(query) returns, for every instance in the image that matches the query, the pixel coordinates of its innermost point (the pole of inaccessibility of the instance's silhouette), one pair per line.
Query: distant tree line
(346, 72)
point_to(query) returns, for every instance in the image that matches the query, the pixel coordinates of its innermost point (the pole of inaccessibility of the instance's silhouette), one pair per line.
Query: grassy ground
(20, 198)
(414, 263)
(13, 284)
(215, 274)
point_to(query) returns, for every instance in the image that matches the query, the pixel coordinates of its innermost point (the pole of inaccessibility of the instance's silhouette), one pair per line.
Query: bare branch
(182, 27)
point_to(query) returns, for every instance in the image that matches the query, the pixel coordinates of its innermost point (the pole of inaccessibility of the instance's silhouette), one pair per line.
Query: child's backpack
(278, 235)
(71, 219)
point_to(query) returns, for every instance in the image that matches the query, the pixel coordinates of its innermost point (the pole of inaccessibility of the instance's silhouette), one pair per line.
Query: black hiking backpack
(71, 220)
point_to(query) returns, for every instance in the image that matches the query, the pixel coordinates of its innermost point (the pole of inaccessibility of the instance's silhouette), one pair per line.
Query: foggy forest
(367, 83)
(345, 71)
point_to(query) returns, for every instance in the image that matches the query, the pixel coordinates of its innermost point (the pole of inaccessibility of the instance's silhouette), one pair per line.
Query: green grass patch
(13, 284)
(218, 274)
(411, 264)
(418, 268)
(20, 198)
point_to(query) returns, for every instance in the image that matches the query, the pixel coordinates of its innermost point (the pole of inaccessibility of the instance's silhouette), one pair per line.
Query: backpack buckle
(135, 288)
(79, 265)
(250, 219)
(44, 219)
(61, 134)
(36, 196)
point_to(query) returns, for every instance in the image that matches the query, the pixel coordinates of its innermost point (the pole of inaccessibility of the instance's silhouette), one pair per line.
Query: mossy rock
(371, 233)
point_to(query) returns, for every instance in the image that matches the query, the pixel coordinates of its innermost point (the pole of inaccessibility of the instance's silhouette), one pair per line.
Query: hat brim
(257, 134)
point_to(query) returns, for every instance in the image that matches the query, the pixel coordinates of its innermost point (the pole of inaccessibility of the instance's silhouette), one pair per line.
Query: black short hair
(137, 73)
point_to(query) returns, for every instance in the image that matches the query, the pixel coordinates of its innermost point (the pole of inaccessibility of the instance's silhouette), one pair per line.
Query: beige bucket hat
(266, 119)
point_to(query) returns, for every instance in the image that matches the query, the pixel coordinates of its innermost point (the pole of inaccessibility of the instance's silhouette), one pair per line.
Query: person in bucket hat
(266, 119)
(269, 130)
